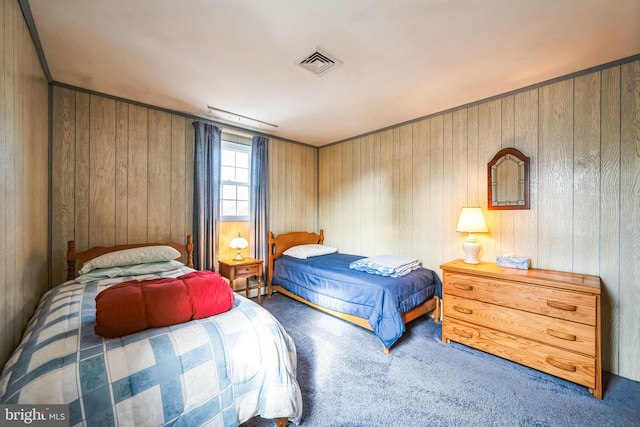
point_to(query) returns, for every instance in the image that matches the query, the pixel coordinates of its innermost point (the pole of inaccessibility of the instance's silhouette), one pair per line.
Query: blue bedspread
(328, 281)
(220, 370)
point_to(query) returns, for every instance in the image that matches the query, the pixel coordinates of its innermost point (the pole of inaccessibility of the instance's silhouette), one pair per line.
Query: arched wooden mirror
(508, 176)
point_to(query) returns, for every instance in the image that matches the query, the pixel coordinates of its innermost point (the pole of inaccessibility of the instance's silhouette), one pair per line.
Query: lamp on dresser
(471, 221)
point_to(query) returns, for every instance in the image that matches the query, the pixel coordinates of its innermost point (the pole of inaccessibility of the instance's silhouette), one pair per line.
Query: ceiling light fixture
(240, 118)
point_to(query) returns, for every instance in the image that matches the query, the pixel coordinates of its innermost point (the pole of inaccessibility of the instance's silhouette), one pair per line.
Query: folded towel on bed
(386, 265)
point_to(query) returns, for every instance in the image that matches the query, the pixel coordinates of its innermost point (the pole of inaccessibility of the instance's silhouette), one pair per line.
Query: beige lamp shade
(471, 221)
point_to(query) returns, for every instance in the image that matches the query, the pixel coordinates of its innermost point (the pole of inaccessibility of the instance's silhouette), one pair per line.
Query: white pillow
(308, 251)
(129, 270)
(132, 256)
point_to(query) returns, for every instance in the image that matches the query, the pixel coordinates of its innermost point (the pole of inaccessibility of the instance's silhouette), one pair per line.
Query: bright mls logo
(34, 415)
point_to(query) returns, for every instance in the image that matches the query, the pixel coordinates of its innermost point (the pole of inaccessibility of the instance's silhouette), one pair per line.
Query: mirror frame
(499, 155)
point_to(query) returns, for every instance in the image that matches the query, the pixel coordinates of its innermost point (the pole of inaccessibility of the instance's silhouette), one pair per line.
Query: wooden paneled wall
(24, 197)
(400, 190)
(122, 173)
(293, 187)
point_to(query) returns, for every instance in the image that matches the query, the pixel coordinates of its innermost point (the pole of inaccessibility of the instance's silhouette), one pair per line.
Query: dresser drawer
(561, 333)
(573, 306)
(564, 364)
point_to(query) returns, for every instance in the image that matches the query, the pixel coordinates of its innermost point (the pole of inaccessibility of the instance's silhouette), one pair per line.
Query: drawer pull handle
(561, 335)
(561, 306)
(551, 361)
(462, 333)
(463, 287)
(462, 310)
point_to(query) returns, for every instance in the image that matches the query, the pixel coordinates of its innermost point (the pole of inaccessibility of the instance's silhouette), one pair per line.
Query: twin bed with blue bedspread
(381, 300)
(219, 370)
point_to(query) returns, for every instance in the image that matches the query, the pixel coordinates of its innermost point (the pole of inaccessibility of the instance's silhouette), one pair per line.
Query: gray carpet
(346, 380)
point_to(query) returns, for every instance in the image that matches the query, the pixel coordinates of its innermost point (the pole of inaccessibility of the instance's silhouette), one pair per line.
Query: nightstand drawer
(247, 270)
(573, 306)
(558, 332)
(564, 364)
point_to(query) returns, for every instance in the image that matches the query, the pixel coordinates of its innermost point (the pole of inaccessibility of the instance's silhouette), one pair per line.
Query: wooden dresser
(547, 320)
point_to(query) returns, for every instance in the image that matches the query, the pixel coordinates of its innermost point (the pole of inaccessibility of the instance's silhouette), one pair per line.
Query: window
(235, 181)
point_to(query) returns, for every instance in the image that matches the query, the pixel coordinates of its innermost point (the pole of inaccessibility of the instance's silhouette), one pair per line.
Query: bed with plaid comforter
(219, 371)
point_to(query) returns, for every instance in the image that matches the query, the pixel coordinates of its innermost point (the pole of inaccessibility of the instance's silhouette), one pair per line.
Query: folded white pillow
(129, 270)
(143, 255)
(309, 250)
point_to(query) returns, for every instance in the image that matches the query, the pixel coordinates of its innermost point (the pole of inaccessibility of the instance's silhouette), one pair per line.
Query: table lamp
(239, 243)
(471, 221)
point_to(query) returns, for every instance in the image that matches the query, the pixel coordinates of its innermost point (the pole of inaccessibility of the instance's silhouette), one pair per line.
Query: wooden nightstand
(248, 267)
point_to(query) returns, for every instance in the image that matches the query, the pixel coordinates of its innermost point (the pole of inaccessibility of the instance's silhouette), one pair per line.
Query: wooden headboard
(277, 245)
(73, 256)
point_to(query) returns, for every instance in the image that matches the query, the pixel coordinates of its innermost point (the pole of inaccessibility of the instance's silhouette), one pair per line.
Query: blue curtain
(259, 205)
(206, 195)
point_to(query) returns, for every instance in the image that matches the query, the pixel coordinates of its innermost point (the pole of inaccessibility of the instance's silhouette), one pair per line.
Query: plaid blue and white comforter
(217, 371)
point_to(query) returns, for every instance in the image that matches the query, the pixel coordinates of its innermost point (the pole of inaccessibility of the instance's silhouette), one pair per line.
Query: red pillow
(137, 305)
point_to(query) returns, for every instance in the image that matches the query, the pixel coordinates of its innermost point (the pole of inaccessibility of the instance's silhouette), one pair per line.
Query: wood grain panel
(102, 166)
(189, 157)
(396, 191)
(295, 179)
(23, 180)
(13, 209)
(121, 172)
(6, 339)
(178, 189)
(449, 222)
(137, 219)
(274, 182)
(62, 176)
(556, 183)
(385, 192)
(405, 199)
(610, 215)
(369, 189)
(506, 218)
(420, 231)
(526, 140)
(436, 214)
(293, 189)
(489, 143)
(357, 195)
(159, 177)
(460, 179)
(586, 172)
(474, 164)
(82, 179)
(630, 220)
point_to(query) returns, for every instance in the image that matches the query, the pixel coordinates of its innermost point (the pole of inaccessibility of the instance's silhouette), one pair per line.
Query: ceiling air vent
(318, 62)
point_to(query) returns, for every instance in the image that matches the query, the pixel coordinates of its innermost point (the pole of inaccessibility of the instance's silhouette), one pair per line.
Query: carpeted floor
(346, 380)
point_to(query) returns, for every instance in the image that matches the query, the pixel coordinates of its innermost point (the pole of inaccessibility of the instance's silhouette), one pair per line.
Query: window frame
(239, 148)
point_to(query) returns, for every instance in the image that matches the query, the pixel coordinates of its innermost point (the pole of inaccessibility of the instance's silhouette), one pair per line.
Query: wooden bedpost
(72, 255)
(190, 251)
(321, 238)
(270, 263)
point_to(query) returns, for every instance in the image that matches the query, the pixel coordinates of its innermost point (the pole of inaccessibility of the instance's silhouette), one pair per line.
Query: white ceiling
(401, 59)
